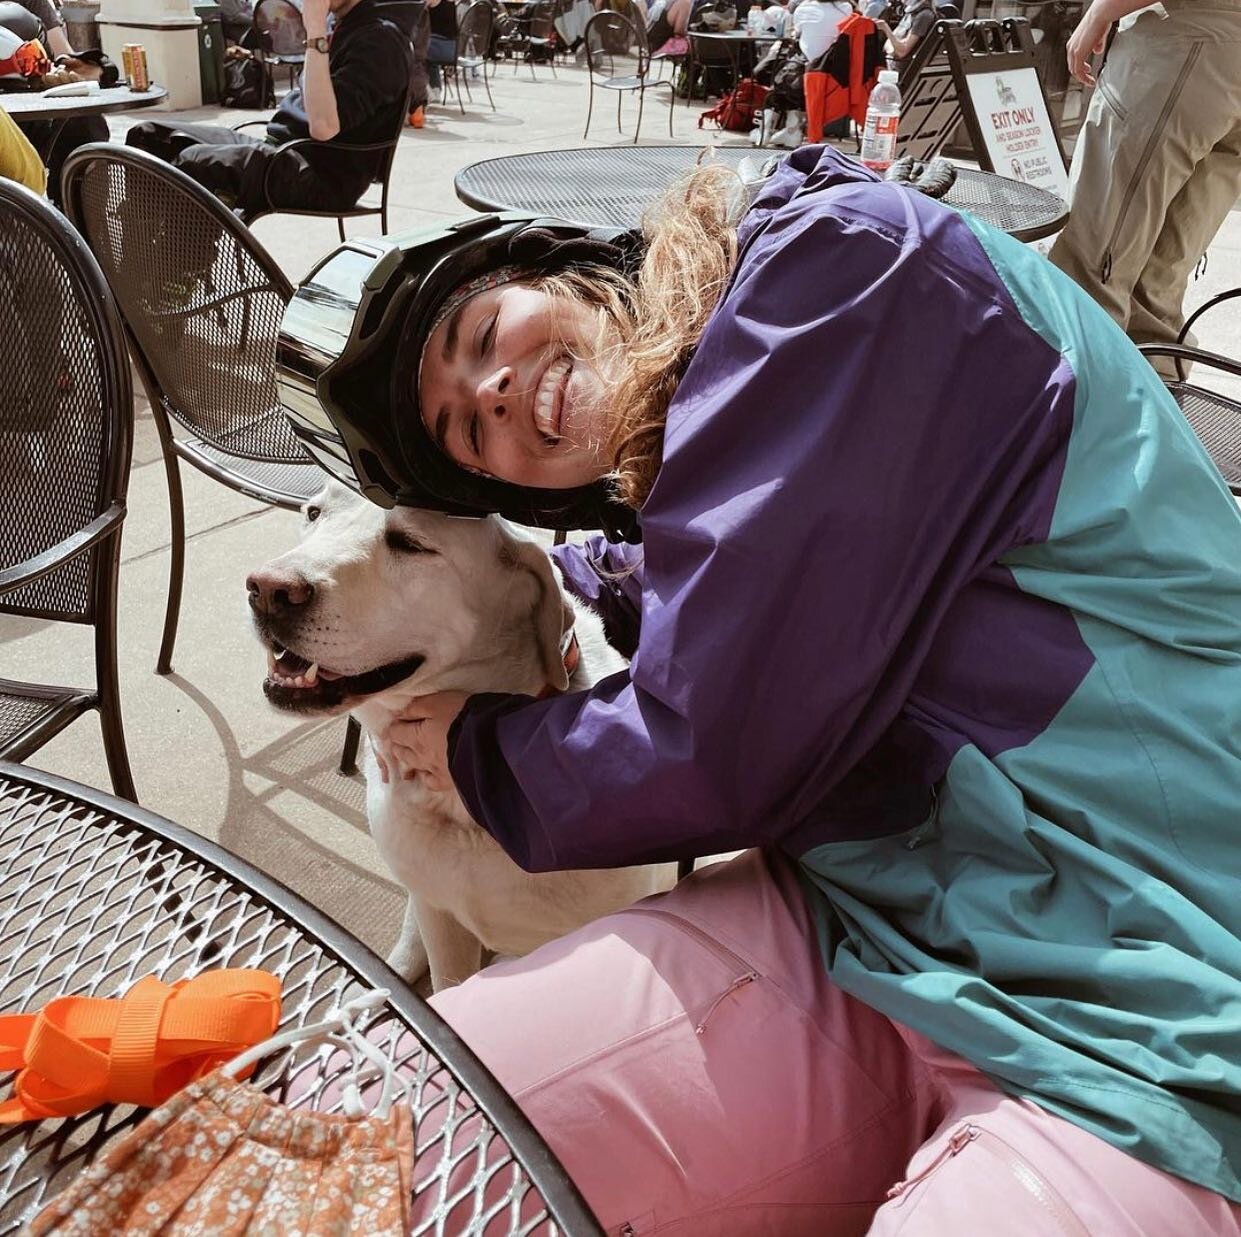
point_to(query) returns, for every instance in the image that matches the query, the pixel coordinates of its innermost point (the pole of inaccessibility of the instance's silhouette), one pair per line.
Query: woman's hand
(1088, 40)
(415, 744)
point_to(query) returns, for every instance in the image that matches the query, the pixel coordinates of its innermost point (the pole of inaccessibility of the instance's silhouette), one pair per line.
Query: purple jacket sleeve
(609, 579)
(856, 436)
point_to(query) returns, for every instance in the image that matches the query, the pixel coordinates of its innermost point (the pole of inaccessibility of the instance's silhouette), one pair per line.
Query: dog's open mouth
(297, 684)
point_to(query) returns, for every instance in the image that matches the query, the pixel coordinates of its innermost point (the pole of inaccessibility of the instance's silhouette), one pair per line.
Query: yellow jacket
(19, 160)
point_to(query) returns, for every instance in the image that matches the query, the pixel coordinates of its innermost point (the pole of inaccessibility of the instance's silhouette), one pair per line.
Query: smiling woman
(917, 627)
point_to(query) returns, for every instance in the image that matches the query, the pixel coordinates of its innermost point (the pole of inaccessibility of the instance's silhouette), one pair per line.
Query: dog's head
(372, 599)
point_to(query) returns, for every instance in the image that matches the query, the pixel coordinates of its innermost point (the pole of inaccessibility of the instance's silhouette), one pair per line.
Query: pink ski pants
(697, 1074)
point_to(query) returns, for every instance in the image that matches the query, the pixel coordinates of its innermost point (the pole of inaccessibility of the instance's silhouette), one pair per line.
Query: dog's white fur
(484, 606)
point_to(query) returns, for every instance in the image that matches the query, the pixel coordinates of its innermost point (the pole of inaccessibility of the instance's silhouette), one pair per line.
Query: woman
(914, 26)
(938, 607)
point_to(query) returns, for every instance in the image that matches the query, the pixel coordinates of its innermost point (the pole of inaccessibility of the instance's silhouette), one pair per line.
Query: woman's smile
(510, 385)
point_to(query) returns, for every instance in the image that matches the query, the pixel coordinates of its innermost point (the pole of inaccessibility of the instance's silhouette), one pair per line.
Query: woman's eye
(490, 334)
(472, 434)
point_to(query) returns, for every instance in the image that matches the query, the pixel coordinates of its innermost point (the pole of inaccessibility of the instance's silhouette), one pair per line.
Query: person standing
(442, 45)
(1158, 162)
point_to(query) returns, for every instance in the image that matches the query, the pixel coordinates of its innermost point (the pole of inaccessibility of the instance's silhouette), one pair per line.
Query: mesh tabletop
(34, 105)
(611, 186)
(96, 893)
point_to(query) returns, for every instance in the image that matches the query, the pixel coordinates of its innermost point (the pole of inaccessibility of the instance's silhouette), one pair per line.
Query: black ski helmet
(350, 348)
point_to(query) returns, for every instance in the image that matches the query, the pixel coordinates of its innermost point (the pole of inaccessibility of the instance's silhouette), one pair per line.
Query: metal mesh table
(612, 186)
(95, 893)
(35, 105)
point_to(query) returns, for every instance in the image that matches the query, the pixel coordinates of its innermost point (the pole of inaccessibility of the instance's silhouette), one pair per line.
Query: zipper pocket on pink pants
(1050, 1201)
(745, 973)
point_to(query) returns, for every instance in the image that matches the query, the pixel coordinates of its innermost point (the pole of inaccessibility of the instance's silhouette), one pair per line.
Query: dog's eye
(313, 513)
(403, 543)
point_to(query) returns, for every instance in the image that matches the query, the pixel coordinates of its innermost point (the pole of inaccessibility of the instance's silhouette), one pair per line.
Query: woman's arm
(818, 509)
(609, 579)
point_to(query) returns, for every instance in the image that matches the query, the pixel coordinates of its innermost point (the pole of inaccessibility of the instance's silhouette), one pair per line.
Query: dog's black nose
(274, 593)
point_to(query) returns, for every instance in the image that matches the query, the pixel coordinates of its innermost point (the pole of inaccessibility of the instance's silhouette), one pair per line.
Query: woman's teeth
(549, 398)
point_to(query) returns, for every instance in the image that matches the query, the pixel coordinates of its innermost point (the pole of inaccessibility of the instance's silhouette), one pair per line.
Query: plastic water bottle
(754, 20)
(883, 118)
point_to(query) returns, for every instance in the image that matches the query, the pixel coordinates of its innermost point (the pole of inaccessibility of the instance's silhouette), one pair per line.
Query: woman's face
(510, 386)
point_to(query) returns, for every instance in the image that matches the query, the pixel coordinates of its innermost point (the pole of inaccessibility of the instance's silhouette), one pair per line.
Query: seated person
(351, 90)
(816, 23)
(19, 160)
(442, 45)
(920, 17)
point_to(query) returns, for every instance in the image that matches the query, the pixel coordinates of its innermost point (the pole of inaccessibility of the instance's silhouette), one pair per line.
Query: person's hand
(314, 17)
(1088, 40)
(415, 744)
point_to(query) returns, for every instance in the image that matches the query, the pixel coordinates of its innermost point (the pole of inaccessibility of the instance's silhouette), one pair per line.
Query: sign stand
(1003, 105)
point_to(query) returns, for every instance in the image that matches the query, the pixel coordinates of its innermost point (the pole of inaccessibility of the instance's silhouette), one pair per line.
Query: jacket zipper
(1105, 267)
(735, 961)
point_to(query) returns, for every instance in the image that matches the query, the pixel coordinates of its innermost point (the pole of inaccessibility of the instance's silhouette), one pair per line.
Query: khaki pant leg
(1155, 115)
(1196, 214)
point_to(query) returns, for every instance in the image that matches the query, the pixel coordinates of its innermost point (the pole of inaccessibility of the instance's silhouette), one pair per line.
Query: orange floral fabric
(222, 1158)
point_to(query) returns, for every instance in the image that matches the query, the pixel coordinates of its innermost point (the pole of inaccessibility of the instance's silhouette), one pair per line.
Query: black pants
(247, 173)
(56, 140)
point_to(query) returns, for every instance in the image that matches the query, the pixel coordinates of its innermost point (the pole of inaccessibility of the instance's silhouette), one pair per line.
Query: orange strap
(79, 1052)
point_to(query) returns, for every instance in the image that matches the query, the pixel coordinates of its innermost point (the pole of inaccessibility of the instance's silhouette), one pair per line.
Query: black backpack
(245, 84)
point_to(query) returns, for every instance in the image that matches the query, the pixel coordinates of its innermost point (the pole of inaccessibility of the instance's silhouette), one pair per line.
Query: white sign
(1021, 141)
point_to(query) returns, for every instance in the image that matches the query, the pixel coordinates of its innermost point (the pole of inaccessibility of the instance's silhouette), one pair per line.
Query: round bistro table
(611, 186)
(96, 893)
(35, 105)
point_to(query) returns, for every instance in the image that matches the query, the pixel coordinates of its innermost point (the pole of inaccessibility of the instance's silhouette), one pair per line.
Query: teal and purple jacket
(940, 595)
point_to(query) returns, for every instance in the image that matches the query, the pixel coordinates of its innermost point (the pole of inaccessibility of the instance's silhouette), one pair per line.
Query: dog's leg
(409, 955)
(453, 951)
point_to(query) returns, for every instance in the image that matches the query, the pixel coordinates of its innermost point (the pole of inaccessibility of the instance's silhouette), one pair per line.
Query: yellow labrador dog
(374, 608)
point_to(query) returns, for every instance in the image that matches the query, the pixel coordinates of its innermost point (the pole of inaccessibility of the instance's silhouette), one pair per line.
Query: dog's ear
(552, 615)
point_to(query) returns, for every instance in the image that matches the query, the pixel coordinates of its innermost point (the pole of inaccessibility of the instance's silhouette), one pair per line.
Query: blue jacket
(940, 594)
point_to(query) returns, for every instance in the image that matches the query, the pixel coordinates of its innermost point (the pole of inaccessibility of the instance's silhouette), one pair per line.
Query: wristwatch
(316, 45)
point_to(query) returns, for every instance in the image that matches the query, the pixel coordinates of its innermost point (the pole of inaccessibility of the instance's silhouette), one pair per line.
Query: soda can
(127, 61)
(139, 78)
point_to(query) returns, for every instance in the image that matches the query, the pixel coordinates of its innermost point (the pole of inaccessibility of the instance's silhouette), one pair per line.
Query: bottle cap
(889, 77)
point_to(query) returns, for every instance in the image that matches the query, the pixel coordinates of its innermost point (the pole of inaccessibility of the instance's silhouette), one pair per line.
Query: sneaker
(789, 137)
(418, 117)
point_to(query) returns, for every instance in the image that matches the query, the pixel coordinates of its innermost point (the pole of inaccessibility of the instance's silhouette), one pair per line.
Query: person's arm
(1091, 34)
(318, 91)
(370, 74)
(818, 509)
(609, 579)
(903, 46)
(57, 41)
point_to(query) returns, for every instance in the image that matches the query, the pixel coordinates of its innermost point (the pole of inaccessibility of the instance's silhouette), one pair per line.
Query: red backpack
(738, 110)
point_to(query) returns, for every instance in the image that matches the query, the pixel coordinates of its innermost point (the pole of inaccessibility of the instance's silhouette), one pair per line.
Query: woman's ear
(552, 615)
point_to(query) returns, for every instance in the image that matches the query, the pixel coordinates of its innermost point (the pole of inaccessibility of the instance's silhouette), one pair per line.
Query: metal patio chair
(280, 35)
(384, 152)
(66, 431)
(608, 29)
(202, 302)
(1215, 418)
(474, 32)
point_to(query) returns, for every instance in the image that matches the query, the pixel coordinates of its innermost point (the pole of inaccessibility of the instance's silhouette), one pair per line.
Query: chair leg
(349, 753)
(176, 565)
(590, 105)
(456, 77)
(108, 684)
(487, 86)
(340, 227)
(638, 127)
(672, 107)
(620, 94)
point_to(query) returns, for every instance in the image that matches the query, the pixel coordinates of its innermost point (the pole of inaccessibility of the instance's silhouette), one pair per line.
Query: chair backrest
(280, 28)
(611, 34)
(543, 19)
(66, 411)
(474, 30)
(201, 299)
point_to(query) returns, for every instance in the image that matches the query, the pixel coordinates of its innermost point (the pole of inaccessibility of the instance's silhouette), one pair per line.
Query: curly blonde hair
(656, 321)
